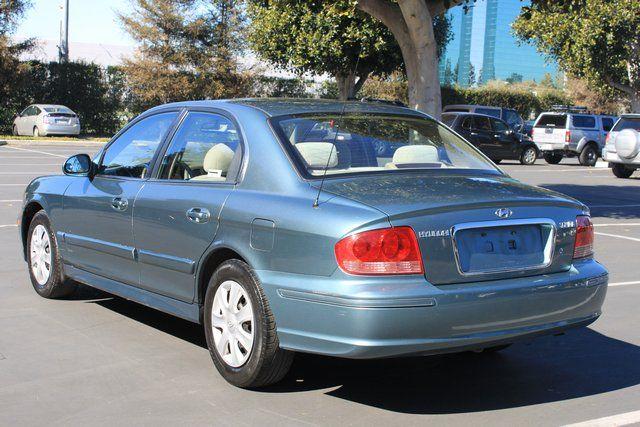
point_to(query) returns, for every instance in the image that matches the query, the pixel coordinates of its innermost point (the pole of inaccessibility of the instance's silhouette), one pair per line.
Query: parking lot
(97, 359)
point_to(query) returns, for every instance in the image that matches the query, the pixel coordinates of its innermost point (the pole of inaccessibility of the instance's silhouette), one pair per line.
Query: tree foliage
(186, 50)
(596, 40)
(331, 37)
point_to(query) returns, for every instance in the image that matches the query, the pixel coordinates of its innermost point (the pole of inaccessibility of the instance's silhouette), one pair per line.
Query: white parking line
(8, 225)
(625, 419)
(20, 173)
(637, 282)
(37, 151)
(620, 224)
(14, 185)
(562, 170)
(10, 201)
(618, 236)
(615, 206)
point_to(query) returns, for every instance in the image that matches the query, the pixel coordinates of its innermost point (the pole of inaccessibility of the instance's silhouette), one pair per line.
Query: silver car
(622, 149)
(43, 119)
(561, 134)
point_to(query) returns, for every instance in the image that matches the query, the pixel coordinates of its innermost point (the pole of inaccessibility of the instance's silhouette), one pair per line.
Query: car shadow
(580, 363)
(607, 201)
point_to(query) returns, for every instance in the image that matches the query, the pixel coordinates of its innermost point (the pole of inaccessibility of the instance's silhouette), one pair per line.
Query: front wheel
(241, 330)
(528, 156)
(553, 158)
(45, 265)
(621, 171)
(588, 156)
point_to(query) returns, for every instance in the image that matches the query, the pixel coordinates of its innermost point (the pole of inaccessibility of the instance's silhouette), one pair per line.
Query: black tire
(56, 285)
(553, 158)
(493, 349)
(528, 156)
(621, 171)
(588, 155)
(267, 362)
(36, 132)
(14, 130)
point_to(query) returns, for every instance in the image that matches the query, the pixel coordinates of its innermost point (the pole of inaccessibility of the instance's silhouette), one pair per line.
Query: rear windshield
(552, 120)
(362, 143)
(64, 110)
(627, 123)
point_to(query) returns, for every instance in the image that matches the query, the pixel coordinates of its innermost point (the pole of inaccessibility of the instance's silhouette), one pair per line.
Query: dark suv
(493, 137)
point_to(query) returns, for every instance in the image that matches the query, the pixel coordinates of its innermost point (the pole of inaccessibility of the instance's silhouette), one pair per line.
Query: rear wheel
(36, 132)
(553, 158)
(14, 130)
(45, 265)
(588, 156)
(241, 329)
(528, 156)
(621, 171)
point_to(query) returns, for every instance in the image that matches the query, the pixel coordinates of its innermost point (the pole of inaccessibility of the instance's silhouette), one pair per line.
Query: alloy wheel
(232, 323)
(530, 156)
(40, 254)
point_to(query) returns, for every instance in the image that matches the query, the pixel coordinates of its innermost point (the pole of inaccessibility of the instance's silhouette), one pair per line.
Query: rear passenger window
(467, 123)
(607, 123)
(206, 148)
(481, 123)
(552, 120)
(627, 123)
(130, 155)
(580, 121)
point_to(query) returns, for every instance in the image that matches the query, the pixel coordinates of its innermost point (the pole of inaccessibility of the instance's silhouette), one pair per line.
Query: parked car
(561, 134)
(622, 148)
(509, 115)
(493, 137)
(44, 119)
(227, 214)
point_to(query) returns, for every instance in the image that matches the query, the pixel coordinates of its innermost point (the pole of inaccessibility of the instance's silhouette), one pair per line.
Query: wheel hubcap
(40, 254)
(530, 156)
(232, 323)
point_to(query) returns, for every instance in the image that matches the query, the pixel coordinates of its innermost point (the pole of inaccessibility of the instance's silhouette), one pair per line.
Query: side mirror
(78, 165)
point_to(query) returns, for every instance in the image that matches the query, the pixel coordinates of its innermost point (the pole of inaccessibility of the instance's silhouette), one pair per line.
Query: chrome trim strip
(549, 249)
(341, 301)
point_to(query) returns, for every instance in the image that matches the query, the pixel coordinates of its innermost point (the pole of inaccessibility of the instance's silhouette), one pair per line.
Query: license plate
(546, 147)
(62, 121)
(548, 130)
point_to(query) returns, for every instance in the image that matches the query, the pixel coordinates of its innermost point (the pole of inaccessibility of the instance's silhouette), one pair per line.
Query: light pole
(63, 49)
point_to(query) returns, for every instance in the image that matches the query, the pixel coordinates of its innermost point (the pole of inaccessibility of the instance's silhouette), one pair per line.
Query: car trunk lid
(474, 227)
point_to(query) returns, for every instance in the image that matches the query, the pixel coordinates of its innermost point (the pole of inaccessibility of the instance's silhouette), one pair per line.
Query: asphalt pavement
(100, 360)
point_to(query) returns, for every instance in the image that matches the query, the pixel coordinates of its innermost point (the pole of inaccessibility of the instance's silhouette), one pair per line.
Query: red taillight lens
(567, 136)
(584, 237)
(385, 251)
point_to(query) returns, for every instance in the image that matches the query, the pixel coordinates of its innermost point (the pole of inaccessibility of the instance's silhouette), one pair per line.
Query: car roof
(630, 116)
(470, 106)
(289, 106)
(465, 113)
(52, 106)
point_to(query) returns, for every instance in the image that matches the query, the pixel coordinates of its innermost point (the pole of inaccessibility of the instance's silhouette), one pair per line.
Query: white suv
(622, 149)
(568, 134)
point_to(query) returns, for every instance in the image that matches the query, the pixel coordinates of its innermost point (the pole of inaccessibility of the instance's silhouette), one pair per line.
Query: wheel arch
(29, 211)
(210, 261)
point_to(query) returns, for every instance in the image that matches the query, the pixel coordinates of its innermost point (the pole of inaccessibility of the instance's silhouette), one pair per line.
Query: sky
(90, 21)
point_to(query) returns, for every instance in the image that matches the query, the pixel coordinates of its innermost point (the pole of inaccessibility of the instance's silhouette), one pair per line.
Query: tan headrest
(218, 159)
(316, 154)
(410, 154)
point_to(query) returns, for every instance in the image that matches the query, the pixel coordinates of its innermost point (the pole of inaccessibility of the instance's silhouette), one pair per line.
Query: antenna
(316, 202)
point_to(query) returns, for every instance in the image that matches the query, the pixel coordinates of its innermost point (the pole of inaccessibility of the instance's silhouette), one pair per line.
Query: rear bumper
(61, 129)
(612, 157)
(383, 317)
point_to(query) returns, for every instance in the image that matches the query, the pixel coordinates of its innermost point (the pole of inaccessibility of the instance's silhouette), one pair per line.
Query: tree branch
(390, 15)
(623, 88)
(362, 77)
(439, 7)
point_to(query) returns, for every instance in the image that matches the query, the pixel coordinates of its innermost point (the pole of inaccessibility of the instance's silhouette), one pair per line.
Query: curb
(78, 143)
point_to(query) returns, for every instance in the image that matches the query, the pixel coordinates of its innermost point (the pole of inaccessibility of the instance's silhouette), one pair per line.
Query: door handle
(199, 215)
(474, 133)
(119, 203)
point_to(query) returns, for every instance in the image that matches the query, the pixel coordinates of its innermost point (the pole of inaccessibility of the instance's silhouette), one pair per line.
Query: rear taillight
(567, 136)
(606, 140)
(584, 237)
(47, 120)
(377, 252)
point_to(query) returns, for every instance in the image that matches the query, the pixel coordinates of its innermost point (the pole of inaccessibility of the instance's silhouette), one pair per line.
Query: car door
(97, 216)
(505, 140)
(21, 122)
(176, 214)
(483, 133)
(464, 127)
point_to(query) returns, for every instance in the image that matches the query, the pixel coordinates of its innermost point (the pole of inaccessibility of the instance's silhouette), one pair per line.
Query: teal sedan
(280, 227)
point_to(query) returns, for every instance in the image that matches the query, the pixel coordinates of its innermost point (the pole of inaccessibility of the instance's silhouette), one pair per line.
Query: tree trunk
(635, 102)
(348, 87)
(411, 22)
